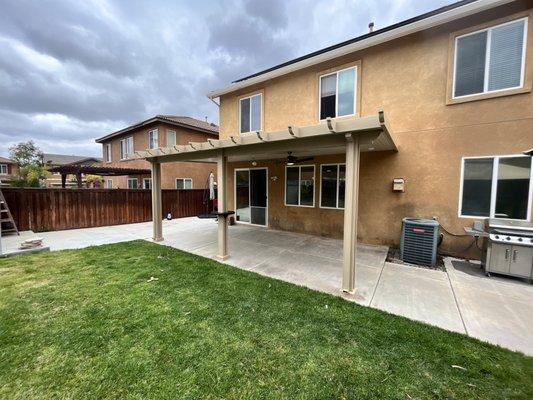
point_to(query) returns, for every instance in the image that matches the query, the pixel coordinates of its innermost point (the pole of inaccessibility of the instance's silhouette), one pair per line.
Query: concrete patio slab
(420, 294)
(495, 309)
(462, 299)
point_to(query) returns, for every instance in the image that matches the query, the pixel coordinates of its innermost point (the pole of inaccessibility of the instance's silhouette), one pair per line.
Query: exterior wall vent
(419, 241)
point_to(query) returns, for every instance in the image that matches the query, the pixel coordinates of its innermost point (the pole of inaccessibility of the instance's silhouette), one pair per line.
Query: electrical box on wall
(398, 185)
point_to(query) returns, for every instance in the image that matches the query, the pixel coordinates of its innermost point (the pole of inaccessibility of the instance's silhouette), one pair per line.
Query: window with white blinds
(491, 59)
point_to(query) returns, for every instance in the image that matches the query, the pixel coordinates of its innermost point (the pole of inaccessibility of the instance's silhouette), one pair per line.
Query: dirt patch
(394, 256)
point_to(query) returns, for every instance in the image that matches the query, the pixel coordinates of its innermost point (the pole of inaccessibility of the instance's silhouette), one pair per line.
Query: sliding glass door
(251, 195)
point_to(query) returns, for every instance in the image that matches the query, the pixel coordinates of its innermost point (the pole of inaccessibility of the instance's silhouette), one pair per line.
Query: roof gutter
(420, 25)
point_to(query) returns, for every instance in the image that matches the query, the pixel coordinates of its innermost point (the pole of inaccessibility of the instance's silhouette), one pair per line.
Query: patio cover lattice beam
(372, 131)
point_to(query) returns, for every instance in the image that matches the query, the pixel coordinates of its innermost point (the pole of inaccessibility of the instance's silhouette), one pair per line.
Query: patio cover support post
(350, 214)
(79, 179)
(222, 206)
(157, 214)
(63, 181)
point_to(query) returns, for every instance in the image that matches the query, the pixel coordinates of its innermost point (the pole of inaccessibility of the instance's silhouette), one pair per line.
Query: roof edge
(157, 118)
(424, 21)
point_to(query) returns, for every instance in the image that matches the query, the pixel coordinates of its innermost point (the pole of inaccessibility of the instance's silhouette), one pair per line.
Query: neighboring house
(8, 171)
(455, 89)
(58, 160)
(159, 131)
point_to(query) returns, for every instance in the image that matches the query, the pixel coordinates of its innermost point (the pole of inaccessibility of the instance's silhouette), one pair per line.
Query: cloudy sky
(71, 71)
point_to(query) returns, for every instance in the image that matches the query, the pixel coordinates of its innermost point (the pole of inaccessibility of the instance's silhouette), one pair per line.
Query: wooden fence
(56, 209)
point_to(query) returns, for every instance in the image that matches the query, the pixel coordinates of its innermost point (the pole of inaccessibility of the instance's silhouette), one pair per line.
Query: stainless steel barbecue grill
(509, 248)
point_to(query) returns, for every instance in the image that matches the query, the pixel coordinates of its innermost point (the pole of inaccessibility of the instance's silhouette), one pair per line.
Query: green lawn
(88, 324)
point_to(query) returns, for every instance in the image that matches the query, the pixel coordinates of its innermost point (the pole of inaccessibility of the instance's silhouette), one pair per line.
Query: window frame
(494, 187)
(109, 184)
(124, 156)
(144, 183)
(151, 133)
(489, 29)
(260, 94)
(184, 179)
(338, 180)
(299, 185)
(169, 131)
(356, 94)
(130, 180)
(2, 166)
(108, 153)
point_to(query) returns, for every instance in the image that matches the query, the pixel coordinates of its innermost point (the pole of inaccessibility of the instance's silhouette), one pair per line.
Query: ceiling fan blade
(301, 160)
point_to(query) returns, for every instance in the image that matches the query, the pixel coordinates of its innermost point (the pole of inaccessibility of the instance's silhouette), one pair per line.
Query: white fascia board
(427, 23)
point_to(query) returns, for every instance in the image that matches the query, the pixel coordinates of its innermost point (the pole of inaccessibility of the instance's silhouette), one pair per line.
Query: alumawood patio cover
(350, 135)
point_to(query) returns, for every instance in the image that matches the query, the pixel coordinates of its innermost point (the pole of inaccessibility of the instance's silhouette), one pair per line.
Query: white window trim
(2, 167)
(487, 59)
(133, 179)
(250, 113)
(144, 182)
(169, 131)
(109, 184)
(155, 134)
(493, 194)
(299, 184)
(337, 93)
(108, 154)
(338, 180)
(185, 179)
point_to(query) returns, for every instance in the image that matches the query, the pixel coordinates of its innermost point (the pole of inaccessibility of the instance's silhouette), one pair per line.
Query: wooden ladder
(6, 217)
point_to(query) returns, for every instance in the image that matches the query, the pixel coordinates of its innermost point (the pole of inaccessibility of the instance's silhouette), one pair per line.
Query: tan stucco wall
(408, 79)
(169, 171)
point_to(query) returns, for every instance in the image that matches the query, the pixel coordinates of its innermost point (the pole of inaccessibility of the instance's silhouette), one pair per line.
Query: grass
(87, 324)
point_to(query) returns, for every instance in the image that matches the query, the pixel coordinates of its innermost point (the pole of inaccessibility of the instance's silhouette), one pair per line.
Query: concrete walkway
(462, 299)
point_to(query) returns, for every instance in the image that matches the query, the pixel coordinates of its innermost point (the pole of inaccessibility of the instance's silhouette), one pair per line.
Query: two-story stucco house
(439, 104)
(159, 131)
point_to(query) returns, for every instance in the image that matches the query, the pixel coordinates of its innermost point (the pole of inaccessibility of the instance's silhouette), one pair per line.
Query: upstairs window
(153, 139)
(147, 183)
(3, 169)
(171, 138)
(496, 187)
(108, 155)
(491, 59)
(183, 183)
(109, 184)
(337, 93)
(250, 113)
(126, 147)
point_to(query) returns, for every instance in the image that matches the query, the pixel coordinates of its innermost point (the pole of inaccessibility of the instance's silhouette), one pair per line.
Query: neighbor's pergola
(350, 135)
(79, 170)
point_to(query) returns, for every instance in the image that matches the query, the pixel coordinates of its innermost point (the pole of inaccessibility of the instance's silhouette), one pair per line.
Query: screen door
(251, 195)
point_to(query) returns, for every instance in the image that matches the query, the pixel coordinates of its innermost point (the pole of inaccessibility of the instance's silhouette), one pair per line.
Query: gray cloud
(74, 71)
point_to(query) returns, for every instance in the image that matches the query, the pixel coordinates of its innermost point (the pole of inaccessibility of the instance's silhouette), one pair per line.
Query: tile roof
(4, 160)
(208, 126)
(187, 122)
(62, 159)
